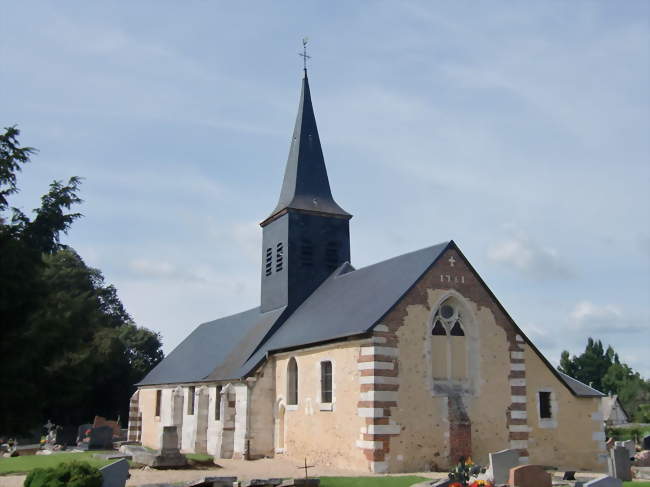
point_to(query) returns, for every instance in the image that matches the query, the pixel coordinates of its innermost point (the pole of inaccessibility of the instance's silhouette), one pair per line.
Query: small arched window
(292, 382)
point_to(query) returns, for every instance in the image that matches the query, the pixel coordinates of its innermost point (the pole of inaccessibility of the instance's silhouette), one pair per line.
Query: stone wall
(416, 421)
(262, 419)
(325, 433)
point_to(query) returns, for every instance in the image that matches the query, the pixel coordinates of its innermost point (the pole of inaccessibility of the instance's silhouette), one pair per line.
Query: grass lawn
(28, 463)
(402, 481)
(200, 457)
(636, 484)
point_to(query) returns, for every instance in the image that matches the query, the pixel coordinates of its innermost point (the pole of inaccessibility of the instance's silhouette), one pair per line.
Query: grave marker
(529, 476)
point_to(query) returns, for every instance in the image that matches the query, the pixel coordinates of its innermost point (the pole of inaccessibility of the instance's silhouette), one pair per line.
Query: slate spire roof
(306, 186)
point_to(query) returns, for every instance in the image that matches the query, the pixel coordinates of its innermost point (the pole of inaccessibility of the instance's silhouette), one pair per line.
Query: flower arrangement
(461, 473)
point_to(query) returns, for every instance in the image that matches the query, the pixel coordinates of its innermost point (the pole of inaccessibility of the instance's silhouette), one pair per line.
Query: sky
(518, 129)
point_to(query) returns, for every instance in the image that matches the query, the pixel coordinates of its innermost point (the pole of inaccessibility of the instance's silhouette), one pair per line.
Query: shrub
(620, 434)
(72, 474)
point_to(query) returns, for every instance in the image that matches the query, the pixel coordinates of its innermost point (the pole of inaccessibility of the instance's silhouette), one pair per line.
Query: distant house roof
(608, 406)
(349, 303)
(579, 388)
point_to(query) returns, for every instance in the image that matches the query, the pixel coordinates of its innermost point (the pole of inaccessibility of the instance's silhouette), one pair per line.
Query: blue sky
(519, 129)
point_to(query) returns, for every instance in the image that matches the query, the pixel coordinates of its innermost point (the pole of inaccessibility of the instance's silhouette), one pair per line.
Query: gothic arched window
(292, 382)
(448, 347)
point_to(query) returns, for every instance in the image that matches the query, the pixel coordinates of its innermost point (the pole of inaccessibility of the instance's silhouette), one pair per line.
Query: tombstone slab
(569, 475)
(112, 456)
(442, 483)
(604, 482)
(500, 464)
(619, 463)
(101, 438)
(529, 476)
(645, 443)
(212, 482)
(306, 482)
(630, 445)
(115, 474)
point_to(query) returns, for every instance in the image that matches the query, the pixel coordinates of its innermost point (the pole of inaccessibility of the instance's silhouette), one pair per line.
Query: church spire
(306, 186)
(307, 236)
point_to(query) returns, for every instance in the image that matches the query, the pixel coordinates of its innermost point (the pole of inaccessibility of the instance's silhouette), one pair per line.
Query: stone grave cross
(305, 467)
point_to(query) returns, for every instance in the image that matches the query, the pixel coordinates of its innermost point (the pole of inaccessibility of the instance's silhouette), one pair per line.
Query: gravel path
(244, 470)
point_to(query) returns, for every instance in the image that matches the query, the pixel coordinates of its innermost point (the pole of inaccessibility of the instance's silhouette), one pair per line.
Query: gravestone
(115, 474)
(442, 483)
(82, 430)
(569, 475)
(101, 438)
(67, 436)
(630, 445)
(604, 482)
(212, 482)
(529, 476)
(102, 421)
(306, 482)
(645, 443)
(500, 464)
(169, 455)
(619, 463)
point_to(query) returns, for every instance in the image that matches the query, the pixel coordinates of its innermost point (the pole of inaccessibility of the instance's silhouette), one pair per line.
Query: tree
(69, 348)
(603, 370)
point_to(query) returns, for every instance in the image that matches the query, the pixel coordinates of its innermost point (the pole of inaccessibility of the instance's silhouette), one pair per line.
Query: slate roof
(578, 388)
(349, 303)
(215, 345)
(306, 185)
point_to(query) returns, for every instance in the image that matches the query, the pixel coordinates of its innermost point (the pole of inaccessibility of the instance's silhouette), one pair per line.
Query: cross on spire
(303, 54)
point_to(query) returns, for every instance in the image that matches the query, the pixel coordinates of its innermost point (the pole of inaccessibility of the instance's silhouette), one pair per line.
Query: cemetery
(492, 162)
(123, 463)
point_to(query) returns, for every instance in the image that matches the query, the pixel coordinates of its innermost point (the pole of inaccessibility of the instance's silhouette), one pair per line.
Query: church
(403, 365)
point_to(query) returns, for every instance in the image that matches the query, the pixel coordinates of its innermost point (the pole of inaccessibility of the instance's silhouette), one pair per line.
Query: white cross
(451, 261)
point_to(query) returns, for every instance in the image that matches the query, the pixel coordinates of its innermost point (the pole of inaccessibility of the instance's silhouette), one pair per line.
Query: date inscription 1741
(449, 278)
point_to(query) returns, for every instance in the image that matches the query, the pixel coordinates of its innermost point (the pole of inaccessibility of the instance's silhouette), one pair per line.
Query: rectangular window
(190, 400)
(217, 404)
(158, 401)
(544, 405)
(326, 381)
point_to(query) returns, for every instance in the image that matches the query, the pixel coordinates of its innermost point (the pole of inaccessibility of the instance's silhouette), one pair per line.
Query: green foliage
(73, 474)
(69, 348)
(603, 370)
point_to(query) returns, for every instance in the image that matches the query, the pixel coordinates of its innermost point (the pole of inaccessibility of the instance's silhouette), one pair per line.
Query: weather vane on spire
(303, 54)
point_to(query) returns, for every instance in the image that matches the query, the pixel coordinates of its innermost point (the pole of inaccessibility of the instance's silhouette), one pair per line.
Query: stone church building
(403, 365)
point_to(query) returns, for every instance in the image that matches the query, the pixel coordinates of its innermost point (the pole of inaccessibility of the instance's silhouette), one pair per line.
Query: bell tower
(307, 236)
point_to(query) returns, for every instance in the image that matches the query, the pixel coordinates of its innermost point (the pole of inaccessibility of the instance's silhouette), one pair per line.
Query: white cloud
(605, 318)
(162, 270)
(526, 256)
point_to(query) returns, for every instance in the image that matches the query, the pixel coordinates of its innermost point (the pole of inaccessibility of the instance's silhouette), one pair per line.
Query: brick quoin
(379, 387)
(379, 372)
(376, 358)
